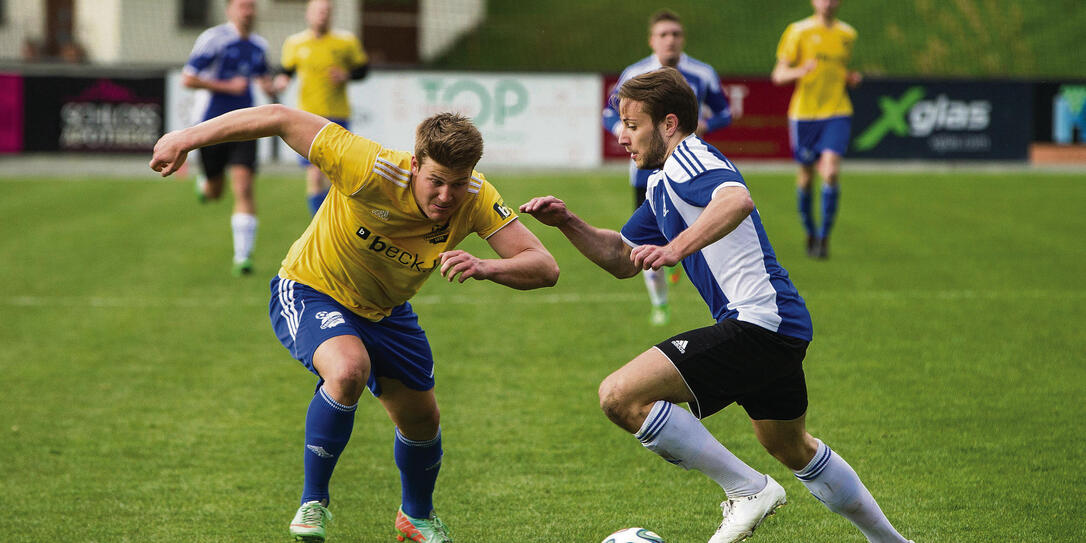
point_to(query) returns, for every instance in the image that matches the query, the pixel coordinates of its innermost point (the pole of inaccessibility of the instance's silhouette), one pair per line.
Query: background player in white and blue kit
(699, 212)
(223, 63)
(666, 38)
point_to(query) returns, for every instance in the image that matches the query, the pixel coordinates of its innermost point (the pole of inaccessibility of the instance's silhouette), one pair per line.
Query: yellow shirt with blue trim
(312, 57)
(369, 246)
(821, 93)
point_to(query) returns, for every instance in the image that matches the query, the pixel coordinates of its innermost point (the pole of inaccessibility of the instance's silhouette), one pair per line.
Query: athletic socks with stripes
(328, 426)
(678, 437)
(835, 484)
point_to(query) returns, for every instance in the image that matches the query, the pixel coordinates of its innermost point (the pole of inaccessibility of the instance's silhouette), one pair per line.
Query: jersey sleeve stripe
(679, 160)
(309, 153)
(693, 156)
(393, 169)
(396, 173)
(395, 181)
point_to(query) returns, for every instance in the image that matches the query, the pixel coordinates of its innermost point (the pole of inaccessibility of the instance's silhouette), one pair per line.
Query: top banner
(527, 120)
(942, 120)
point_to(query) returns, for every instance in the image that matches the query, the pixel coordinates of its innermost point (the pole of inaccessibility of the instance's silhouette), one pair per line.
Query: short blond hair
(449, 139)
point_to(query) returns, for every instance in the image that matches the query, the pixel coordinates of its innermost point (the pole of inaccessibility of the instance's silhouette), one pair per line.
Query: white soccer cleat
(743, 515)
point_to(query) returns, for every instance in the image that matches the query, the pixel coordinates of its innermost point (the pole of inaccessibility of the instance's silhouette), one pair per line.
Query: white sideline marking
(554, 298)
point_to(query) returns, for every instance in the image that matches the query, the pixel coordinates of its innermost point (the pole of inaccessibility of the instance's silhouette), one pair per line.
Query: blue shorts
(303, 318)
(810, 138)
(303, 161)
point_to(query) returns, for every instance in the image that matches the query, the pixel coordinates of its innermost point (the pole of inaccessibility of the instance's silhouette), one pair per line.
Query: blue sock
(419, 462)
(830, 194)
(315, 201)
(328, 426)
(804, 199)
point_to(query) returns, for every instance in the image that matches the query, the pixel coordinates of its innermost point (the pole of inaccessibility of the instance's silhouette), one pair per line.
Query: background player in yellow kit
(340, 301)
(814, 54)
(324, 60)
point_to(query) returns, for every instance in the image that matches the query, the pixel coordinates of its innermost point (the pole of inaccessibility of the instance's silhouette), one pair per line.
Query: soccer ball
(633, 535)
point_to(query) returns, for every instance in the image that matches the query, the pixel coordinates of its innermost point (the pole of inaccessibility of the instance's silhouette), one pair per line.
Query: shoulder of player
(297, 38)
(692, 158)
(697, 68)
(803, 25)
(392, 166)
(342, 35)
(846, 28)
(258, 40)
(644, 65)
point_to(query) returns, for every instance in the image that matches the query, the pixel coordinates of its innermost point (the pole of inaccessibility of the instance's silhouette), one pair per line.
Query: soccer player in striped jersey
(225, 59)
(324, 60)
(698, 212)
(814, 54)
(339, 303)
(667, 39)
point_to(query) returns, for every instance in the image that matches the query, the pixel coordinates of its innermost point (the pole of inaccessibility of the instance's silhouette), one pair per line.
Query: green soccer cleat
(674, 274)
(421, 530)
(660, 315)
(245, 267)
(309, 521)
(200, 185)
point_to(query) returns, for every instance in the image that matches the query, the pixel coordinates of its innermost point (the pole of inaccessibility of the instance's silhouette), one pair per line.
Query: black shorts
(736, 361)
(215, 158)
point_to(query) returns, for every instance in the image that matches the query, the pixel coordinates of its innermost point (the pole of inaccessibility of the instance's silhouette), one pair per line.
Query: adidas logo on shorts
(680, 344)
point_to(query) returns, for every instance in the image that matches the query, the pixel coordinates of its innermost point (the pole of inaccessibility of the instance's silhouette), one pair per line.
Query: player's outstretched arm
(603, 247)
(784, 73)
(725, 212)
(297, 128)
(524, 264)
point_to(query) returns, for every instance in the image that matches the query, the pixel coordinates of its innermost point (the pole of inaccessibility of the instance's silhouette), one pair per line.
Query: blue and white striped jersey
(221, 53)
(702, 79)
(738, 275)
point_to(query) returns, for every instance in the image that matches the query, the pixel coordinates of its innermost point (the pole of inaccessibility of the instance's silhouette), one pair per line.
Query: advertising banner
(1059, 112)
(92, 114)
(942, 120)
(759, 128)
(527, 120)
(11, 113)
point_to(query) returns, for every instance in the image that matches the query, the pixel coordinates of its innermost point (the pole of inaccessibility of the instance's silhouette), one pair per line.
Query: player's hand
(854, 79)
(464, 264)
(236, 85)
(808, 67)
(548, 210)
(169, 154)
(338, 75)
(654, 257)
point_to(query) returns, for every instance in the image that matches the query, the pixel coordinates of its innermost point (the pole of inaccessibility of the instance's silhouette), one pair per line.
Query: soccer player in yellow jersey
(340, 302)
(814, 54)
(325, 60)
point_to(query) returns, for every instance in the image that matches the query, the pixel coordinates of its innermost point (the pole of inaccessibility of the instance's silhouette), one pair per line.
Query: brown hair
(450, 139)
(663, 15)
(663, 92)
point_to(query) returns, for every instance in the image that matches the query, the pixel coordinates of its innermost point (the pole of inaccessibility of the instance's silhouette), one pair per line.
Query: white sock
(678, 437)
(835, 484)
(244, 227)
(656, 283)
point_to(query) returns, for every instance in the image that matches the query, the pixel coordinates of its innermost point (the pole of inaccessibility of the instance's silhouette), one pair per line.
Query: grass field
(146, 399)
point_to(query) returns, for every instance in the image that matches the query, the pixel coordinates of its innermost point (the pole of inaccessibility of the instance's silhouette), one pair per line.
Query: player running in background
(225, 59)
(666, 39)
(340, 303)
(325, 60)
(699, 212)
(814, 54)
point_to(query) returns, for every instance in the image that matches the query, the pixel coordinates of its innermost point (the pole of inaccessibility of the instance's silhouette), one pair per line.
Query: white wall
(97, 27)
(25, 20)
(442, 22)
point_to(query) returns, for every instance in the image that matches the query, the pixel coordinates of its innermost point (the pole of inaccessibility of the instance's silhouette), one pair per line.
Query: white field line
(550, 298)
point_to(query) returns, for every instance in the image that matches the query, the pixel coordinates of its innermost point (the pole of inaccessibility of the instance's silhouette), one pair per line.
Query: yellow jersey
(369, 246)
(311, 57)
(821, 93)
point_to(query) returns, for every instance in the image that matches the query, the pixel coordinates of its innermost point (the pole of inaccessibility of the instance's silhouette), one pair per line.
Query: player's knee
(614, 404)
(347, 380)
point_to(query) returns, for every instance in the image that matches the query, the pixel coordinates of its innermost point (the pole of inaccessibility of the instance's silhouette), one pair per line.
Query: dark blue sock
(419, 462)
(315, 201)
(830, 194)
(804, 199)
(328, 426)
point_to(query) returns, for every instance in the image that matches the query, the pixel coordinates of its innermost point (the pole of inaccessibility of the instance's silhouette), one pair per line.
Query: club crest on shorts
(330, 319)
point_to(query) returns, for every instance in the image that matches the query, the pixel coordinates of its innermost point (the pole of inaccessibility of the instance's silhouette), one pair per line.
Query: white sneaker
(743, 515)
(309, 522)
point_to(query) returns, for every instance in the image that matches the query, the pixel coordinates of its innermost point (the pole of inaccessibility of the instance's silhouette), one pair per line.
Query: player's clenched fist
(548, 210)
(169, 154)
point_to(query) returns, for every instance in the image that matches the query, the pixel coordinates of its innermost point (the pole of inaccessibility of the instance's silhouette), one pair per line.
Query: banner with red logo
(11, 113)
(759, 128)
